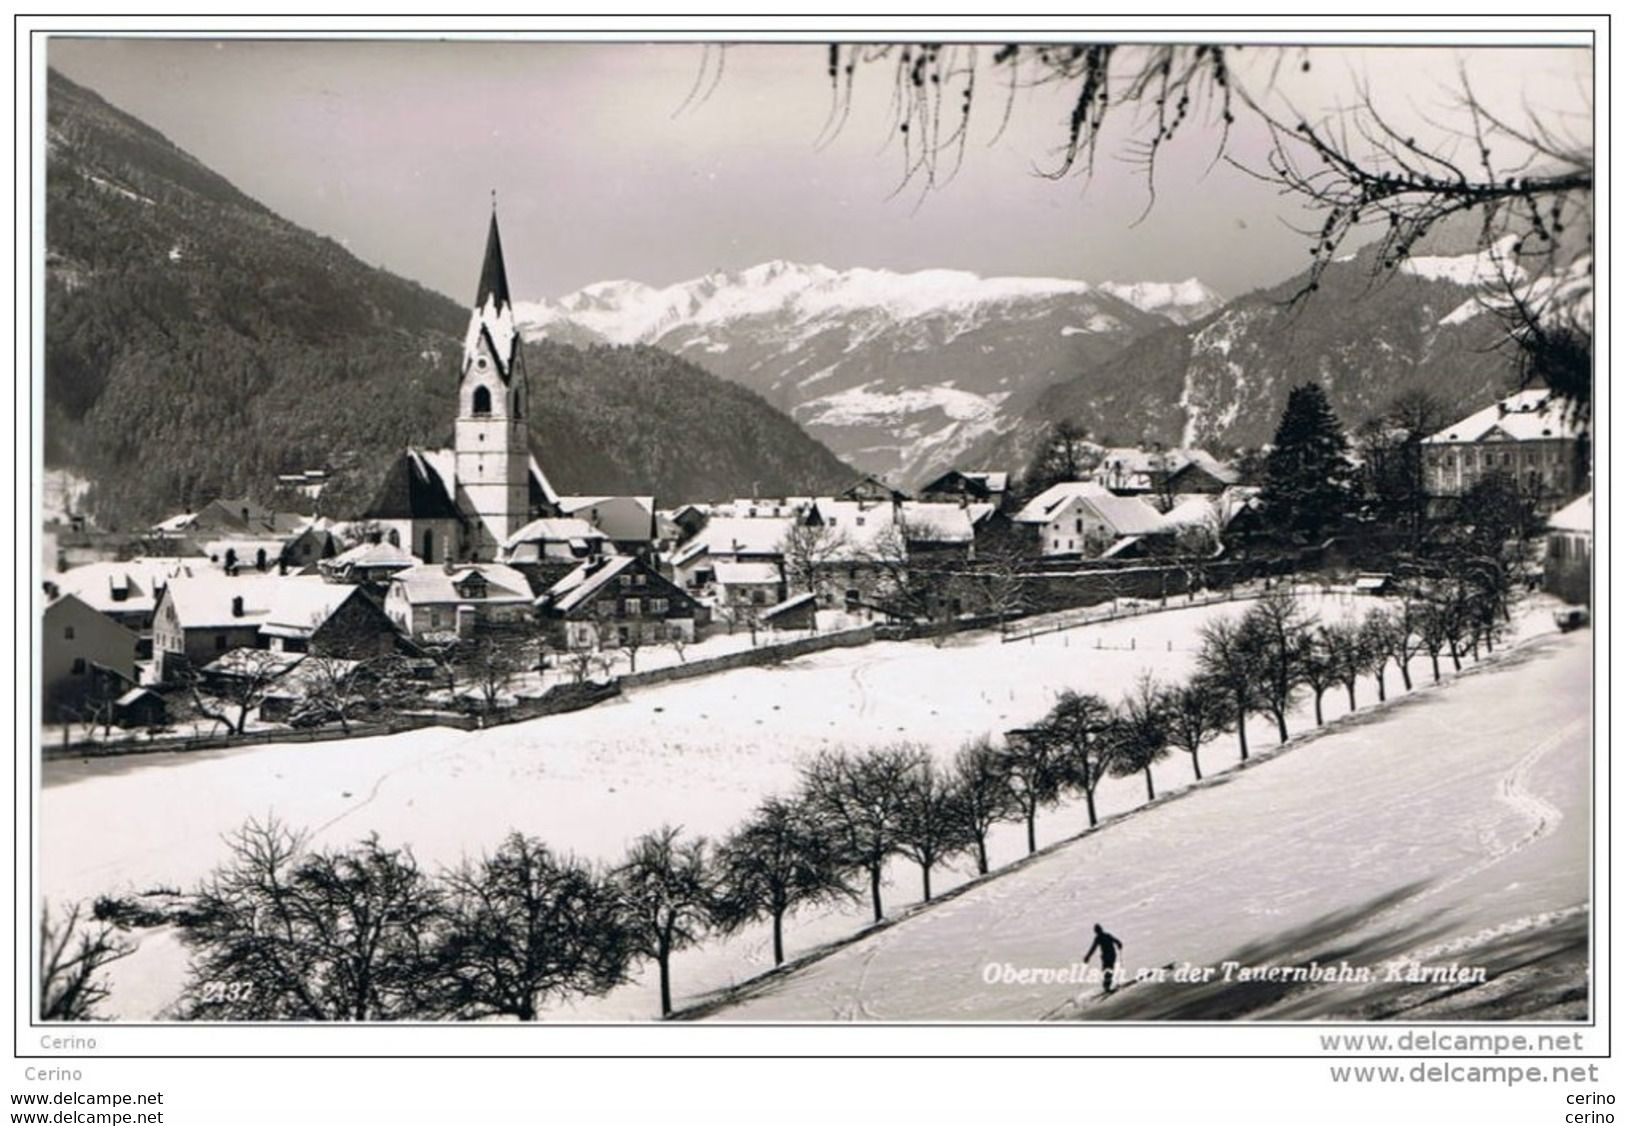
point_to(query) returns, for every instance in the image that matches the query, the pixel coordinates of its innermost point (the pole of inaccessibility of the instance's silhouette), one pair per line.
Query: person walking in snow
(1108, 945)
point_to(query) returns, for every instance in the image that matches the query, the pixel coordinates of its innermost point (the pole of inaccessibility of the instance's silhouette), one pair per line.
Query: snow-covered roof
(791, 603)
(380, 554)
(1574, 516)
(583, 582)
(738, 535)
(934, 522)
(292, 605)
(573, 504)
(1046, 504)
(1127, 516)
(177, 523)
(431, 584)
(1134, 467)
(300, 605)
(261, 663)
(98, 584)
(554, 529)
(1193, 510)
(1529, 415)
(728, 574)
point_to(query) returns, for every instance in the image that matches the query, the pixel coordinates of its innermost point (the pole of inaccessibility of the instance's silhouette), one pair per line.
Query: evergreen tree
(1308, 478)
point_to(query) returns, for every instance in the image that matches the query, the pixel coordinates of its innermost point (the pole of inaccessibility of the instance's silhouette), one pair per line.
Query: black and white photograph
(795, 530)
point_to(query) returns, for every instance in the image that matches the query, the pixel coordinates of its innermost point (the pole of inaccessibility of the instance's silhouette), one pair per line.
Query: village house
(1085, 519)
(729, 539)
(1568, 551)
(552, 539)
(126, 591)
(1529, 437)
(969, 487)
(798, 612)
(750, 585)
(628, 521)
(455, 600)
(372, 563)
(1130, 471)
(603, 602)
(203, 617)
(86, 658)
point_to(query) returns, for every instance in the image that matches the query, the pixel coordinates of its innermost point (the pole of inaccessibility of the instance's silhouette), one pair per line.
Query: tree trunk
(1089, 800)
(1352, 705)
(1382, 689)
(1150, 786)
(665, 983)
(1280, 723)
(1241, 730)
(1032, 838)
(1435, 658)
(925, 881)
(981, 856)
(1196, 764)
(1405, 674)
(778, 938)
(1319, 719)
(1455, 656)
(874, 890)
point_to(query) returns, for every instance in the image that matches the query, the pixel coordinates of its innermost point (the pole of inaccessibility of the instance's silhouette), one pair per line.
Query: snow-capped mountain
(898, 373)
(1222, 382)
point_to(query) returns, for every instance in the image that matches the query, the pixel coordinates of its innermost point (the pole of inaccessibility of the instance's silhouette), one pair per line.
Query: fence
(746, 658)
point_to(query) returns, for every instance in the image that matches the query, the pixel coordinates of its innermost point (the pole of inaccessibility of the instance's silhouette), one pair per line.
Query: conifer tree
(1308, 478)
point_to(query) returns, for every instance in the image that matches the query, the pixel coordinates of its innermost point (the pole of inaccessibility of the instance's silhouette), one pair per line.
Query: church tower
(492, 443)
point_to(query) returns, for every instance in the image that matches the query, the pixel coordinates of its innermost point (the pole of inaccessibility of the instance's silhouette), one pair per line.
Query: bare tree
(1318, 669)
(1379, 639)
(72, 955)
(667, 899)
(242, 684)
(525, 926)
(1196, 712)
(281, 932)
(1276, 631)
(1140, 732)
(1231, 665)
(1078, 727)
(808, 551)
(1351, 656)
(982, 793)
(932, 829)
(1036, 769)
(779, 860)
(863, 800)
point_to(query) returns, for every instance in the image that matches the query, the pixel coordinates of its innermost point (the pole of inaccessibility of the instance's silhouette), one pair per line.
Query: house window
(657, 605)
(67, 633)
(482, 400)
(640, 580)
(634, 607)
(625, 580)
(78, 666)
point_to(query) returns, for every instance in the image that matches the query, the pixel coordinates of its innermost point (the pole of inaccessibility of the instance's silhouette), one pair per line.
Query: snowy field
(1455, 829)
(698, 753)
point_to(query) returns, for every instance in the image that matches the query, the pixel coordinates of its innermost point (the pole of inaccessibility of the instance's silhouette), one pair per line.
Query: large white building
(1528, 437)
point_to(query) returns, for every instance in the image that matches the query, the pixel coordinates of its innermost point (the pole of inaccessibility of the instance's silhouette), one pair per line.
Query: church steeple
(492, 442)
(491, 327)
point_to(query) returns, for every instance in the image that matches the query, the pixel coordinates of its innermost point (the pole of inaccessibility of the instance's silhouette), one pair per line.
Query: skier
(1108, 945)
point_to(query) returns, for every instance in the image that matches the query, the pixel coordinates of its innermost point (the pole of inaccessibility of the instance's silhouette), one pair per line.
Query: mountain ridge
(197, 344)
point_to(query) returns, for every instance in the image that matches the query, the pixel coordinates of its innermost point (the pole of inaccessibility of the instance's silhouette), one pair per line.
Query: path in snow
(1459, 817)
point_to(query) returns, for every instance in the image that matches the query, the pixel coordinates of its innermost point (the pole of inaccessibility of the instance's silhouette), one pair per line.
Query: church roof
(492, 319)
(413, 490)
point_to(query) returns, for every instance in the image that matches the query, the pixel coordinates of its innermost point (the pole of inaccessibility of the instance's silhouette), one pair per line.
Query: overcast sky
(393, 148)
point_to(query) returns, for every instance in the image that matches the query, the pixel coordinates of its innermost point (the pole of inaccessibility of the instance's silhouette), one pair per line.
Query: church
(464, 504)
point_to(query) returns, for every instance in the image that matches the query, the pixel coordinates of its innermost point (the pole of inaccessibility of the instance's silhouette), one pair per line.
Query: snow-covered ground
(697, 753)
(1436, 834)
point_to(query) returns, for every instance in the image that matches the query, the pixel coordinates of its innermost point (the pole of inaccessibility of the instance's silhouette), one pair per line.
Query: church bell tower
(492, 442)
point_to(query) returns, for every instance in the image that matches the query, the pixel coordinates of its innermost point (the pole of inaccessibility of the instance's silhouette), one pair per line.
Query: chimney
(237, 606)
